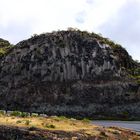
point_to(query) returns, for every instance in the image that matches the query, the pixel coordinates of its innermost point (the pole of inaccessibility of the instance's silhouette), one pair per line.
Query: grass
(60, 124)
(54, 122)
(86, 120)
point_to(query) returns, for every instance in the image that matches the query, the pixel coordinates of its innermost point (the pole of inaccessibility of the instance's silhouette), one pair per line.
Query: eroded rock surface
(69, 73)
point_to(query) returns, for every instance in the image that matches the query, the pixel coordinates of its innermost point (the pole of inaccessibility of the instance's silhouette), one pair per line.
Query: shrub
(62, 118)
(34, 114)
(27, 122)
(24, 114)
(49, 126)
(18, 121)
(86, 120)
(16, 113)
(2, 112)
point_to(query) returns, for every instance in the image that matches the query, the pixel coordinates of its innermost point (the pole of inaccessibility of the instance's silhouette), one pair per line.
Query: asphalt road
(133, 125)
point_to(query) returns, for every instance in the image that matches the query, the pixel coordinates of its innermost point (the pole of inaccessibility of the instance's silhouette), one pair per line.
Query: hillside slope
(59, 128)
(70, 73)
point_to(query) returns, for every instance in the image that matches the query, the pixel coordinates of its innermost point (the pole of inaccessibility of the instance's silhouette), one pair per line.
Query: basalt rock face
(69, 73)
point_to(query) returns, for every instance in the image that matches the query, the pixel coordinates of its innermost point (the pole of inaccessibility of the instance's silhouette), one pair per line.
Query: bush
(16, 113)
(62, 117)
(2, 112)
(86, 120)
(18, 121)
(49, 126)
(24, 114)
(19, 114)
(34, 114)
(27, 122)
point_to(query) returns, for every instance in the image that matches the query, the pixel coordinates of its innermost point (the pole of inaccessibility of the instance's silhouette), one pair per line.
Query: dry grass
(59, 123)
(66, 125)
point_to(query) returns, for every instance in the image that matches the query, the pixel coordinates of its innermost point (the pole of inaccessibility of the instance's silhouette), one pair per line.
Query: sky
(118, 20)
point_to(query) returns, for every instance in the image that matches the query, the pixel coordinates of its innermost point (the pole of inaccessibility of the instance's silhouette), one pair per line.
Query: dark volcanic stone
(68, 73)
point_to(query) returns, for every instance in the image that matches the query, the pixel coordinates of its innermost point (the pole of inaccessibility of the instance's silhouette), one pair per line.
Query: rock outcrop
(70, 73)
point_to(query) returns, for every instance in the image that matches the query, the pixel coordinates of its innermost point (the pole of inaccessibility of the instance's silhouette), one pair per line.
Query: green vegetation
(16, 113)
(5, 46)
(49, 126)
(3, 51)
(135, 77)
(24, 114)
(34, 114)
(62, 118)
(2, 112)
(19, 114)
(27, 122)
(4, 43)
(64, 126)
(18, 121)
(134, 73)
(86, 120)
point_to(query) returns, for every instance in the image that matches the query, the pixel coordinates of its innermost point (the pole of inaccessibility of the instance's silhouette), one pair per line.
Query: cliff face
(69, 73)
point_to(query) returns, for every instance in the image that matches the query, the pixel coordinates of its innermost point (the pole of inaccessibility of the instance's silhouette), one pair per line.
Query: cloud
(48, 15)
(37, 15)
(16, 31)
(118, 19)
(98, 12)
(124, 27)
(89, 1)
(81, 17)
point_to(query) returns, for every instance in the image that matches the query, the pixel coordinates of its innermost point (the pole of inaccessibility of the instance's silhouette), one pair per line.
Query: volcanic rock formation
(70, 73)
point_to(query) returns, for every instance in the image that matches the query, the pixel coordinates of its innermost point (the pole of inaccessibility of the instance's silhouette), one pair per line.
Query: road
(133, 125)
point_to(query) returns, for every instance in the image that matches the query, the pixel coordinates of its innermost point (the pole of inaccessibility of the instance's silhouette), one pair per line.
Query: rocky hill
(72, 73)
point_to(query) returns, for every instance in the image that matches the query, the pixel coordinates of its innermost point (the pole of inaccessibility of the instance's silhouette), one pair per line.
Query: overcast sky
(118, 20)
